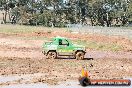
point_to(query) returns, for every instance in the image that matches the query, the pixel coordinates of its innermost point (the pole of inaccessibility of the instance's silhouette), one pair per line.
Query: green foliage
(60, 15)
(99, 46)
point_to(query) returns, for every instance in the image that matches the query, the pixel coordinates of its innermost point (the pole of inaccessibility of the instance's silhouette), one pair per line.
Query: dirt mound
(20, 56)
(54, 71)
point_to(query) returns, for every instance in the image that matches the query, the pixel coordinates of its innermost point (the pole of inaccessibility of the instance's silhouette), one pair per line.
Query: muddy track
(23, 49)
(54, 71)
(24, 57)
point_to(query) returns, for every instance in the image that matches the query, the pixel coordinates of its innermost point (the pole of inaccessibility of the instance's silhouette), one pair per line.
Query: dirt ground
(20, 56)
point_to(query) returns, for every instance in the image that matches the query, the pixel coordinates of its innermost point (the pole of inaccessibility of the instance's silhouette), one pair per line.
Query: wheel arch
(52, 51)
(79, 51)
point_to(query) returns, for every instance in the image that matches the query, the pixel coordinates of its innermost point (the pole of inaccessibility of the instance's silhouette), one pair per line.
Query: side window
(60, 41)
(65, 42)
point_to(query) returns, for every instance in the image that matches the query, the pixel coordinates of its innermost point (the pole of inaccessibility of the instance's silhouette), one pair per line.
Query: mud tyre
(79, 56)
(51, 55)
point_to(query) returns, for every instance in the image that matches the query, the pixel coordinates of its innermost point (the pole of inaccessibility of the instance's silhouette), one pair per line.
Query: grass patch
(99, 46)
(11, 29)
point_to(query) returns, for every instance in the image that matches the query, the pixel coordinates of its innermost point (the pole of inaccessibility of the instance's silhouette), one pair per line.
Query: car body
(61, 46)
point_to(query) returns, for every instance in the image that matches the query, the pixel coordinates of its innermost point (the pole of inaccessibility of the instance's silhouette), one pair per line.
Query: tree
(100, 12)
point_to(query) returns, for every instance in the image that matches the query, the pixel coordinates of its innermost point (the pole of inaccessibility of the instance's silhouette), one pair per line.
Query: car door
(64, 47)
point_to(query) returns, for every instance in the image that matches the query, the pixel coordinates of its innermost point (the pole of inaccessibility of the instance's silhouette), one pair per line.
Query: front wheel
(79, 55)
(51, 55)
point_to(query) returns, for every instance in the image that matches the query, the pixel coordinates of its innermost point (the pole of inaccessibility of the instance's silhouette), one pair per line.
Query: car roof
(58, 37)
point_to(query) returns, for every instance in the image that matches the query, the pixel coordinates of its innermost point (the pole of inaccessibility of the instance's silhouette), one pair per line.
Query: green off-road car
(61, 46)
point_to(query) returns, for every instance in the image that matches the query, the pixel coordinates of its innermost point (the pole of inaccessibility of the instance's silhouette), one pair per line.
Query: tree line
(59, 13)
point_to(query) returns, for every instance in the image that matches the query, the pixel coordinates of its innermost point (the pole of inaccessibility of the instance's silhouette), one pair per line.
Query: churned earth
(22, 61)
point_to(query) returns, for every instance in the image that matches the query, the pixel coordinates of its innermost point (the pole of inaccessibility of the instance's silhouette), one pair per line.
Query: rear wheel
(80, 55)
(51, 55)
